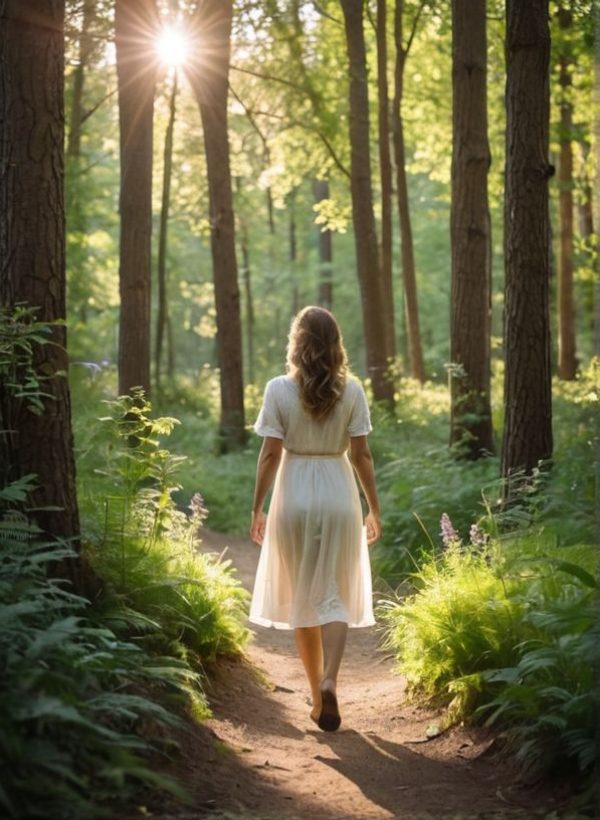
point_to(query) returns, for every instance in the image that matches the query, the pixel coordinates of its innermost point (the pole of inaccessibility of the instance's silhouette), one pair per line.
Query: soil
(260, 757)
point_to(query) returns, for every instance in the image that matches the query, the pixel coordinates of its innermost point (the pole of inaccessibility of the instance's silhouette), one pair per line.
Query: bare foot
(329, 718)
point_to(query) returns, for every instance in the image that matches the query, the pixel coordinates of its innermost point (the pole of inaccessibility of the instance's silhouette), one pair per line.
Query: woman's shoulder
(353, 385)
(282, 381)
(280, 385)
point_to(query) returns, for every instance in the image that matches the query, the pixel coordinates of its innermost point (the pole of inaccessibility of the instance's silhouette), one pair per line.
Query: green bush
(74, 696)
(144, 547)
(505, 630)
(548, 698)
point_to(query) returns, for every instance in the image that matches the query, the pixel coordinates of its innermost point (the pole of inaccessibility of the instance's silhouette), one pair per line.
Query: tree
(325, 290)
(135, 29)
(567, 358)
(596, 261)
(86, 49)
(365, 235)
(163, 319)
(32, 250)
(413, 330)
(471, 414)
(527, 390)
(385, 174)
(208, 74)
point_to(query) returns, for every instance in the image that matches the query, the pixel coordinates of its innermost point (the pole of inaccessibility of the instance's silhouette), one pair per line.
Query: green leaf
(577, 572)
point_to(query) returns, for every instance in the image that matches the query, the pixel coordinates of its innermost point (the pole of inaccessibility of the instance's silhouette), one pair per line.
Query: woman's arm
(266, 468)
(362, 460)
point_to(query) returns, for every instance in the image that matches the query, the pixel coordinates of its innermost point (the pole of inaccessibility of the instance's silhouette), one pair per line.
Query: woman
(313, 574)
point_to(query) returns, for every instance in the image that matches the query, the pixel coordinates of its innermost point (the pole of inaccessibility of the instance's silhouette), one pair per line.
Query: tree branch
(252, 121)
(320, 10)
(315, 130)
(413, 29)
(270, 77)
(101, 102)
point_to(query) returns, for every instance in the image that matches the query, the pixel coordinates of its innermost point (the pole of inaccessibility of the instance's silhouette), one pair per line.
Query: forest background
(175, 288)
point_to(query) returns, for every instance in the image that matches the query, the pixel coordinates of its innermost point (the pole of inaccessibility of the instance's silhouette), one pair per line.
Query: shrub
(506, 631)
(73, 695)
(145, 548)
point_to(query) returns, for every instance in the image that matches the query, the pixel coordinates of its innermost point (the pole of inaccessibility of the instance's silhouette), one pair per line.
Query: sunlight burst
(173, 46)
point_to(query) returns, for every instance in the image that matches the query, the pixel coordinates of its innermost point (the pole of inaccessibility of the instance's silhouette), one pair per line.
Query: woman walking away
(314, 574)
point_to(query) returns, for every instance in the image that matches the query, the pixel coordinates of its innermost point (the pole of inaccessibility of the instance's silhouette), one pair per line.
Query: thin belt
(314, 455)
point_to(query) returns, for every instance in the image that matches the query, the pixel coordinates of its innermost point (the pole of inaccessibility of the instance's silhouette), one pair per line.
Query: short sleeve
(269, 421)
(360, 418)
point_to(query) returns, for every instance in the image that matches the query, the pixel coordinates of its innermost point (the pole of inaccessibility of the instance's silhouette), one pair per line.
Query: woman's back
(283, 416)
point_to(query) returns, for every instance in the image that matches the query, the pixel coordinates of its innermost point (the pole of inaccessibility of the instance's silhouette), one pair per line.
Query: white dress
(314, 562)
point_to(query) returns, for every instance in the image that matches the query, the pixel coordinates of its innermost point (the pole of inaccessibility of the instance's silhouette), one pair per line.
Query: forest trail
(261, 758)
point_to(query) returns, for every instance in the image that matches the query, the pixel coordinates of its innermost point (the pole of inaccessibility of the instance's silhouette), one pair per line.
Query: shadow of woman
(408, 784)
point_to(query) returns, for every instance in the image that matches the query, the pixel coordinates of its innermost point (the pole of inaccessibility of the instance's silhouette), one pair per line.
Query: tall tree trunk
(247, 283)
(413, 331)
(596, 350)
(247, 279)
(385, 173)
(293, 253)
(596, 338)
(208, 75)
(325, 289)
(585, 207)
(135, 22)
(567, 358)
(367, 250)
(471, 413)
(162, 316)
(32, 250)
(86, 47)
(527, 390)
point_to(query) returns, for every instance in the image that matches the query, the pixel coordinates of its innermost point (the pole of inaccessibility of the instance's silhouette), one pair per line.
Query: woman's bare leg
(334, 643)
(310, 649)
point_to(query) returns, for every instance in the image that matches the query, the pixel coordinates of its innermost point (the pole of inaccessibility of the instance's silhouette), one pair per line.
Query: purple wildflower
(477, 536)
(198, 509)
(448, 533)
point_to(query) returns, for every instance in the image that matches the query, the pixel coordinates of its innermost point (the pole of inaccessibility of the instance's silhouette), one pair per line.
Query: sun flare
(172, 46)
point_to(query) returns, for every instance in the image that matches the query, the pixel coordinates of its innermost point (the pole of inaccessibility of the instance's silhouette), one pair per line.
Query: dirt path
(261, 757)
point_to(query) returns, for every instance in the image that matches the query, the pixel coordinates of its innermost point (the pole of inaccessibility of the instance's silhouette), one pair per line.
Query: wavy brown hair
(317, 360)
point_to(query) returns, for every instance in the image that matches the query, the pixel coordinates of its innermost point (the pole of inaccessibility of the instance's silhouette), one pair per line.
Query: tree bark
(32, 251)
(293, 252)
(135, 23)
(596, 337)
(528, 401)
(247, 279)
(86, 47)
(413, 331)
(365, 235)
(162, 316)
(208, 75)
(567, 358)
(385, 173)
(471, 413)
(325, 289)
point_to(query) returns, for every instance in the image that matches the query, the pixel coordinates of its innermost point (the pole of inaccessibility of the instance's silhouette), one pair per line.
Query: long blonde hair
(317, 360)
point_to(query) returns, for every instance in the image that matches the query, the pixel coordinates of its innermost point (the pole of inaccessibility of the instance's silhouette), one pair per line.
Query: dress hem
(256, 619)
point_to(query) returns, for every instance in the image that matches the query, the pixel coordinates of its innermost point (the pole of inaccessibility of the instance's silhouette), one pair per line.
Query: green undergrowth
(92, 691)
(145, 547)
(502, 625)
(82, 709)
(507, 634)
